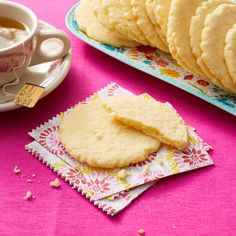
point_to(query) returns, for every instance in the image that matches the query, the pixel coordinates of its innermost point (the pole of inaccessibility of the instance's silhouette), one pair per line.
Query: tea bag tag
(29, 95)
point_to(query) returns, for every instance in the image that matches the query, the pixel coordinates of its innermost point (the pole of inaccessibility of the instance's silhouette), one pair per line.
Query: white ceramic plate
(49, 74)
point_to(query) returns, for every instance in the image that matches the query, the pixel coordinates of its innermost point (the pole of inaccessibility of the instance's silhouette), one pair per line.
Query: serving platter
(162, 66)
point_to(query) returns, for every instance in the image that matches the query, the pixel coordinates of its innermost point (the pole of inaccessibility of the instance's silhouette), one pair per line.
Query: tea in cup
(21, 41)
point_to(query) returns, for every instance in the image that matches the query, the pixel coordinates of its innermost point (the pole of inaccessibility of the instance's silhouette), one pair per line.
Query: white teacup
(15, 59)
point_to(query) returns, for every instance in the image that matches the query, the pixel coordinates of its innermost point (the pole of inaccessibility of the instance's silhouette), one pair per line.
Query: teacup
(15, 59)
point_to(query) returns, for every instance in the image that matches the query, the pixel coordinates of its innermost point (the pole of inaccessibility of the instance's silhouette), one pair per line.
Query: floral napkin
(102, 186)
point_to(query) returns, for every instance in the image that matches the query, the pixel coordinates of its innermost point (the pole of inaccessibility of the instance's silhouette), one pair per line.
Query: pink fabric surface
(202, 202)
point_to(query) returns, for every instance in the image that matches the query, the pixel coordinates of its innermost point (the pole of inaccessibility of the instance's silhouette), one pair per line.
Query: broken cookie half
(153, 118)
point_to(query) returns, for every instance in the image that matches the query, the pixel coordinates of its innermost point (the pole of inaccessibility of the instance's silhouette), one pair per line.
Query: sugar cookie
(217, 25)
(150, 7)
(90, 135)
(162, 14)
(101, 13)
(90, 25)
(178, 38)
(195, 31)
(230, 52)
(131, 22)
(145, 24)
(116, 19)
(151, 117)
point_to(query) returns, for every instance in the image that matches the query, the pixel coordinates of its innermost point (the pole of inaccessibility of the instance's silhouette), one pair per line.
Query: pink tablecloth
(198, 203)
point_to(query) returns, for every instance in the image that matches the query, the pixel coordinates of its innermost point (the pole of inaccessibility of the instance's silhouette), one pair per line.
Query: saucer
(49, 75)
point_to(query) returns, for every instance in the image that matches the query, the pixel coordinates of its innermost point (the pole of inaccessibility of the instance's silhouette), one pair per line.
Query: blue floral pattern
(120, 50)
(224, 97)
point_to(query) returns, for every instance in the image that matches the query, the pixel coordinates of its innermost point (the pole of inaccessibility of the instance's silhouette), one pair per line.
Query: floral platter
(162, 66)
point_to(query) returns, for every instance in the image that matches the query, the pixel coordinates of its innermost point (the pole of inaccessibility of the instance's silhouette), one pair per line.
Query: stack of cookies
(200, 35)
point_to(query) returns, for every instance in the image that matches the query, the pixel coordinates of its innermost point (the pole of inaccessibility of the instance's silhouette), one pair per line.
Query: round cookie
(145, 24)
(230, 52)
(150, 7)
(81, 17)
(162, 14)
(99, 33)
(116, 19)
(90, 135)
(131, 22)
(195, 31)
(178, 38)
(101, 13)
(217, 25)
(89, 24)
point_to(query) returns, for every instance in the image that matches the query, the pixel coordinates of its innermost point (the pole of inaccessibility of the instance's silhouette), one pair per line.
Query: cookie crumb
(39, 181)
(160, 161)
(16, 170)
(145, 170)
(28, 195)
(141, 231)
(29, 180)
(33, 175)
(22, 176)
(122, 174)
(173, 226)
(55, 183)
(33, 197)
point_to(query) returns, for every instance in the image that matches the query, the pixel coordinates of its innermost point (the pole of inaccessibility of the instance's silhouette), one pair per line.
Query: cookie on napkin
(150, 117)
(89, 134)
